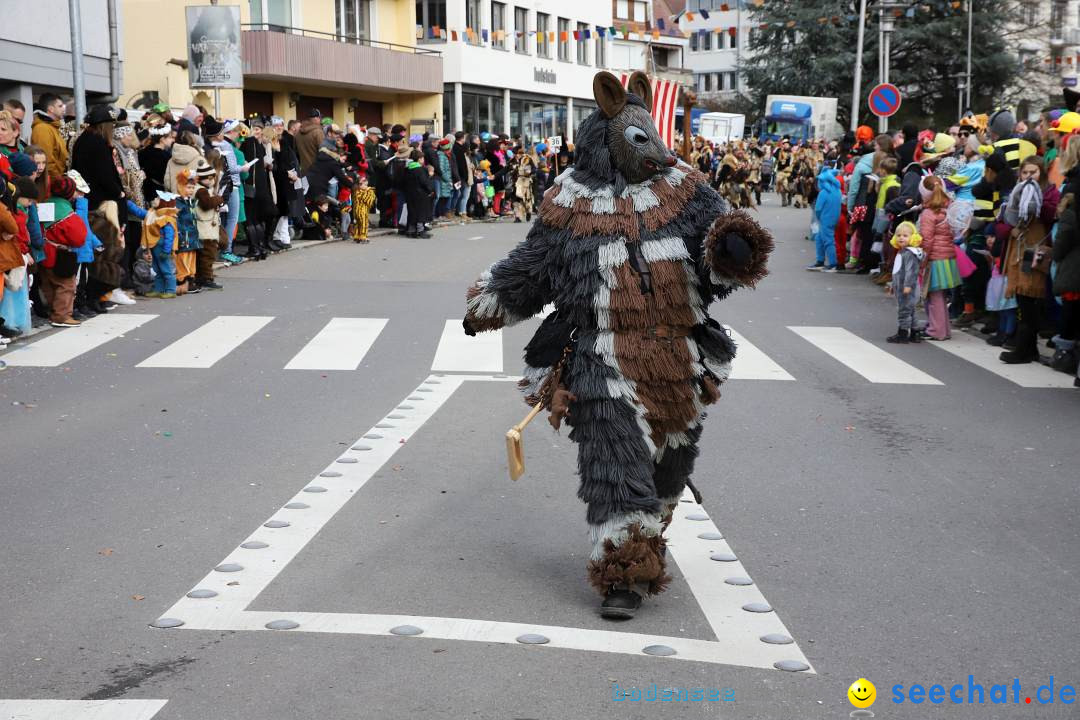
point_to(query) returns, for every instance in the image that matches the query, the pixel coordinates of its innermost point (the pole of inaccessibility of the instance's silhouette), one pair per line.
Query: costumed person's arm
(1068, 226)
(736, 251)
(513, 289)
(82, 206)
(135, 211)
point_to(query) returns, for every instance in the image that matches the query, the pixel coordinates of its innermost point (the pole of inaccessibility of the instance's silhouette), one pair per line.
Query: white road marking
(977, 352)
(752, 364)
(80, 709)
(738, 631)
(864, 357)
(204, 346)
(69, 343)
(341, 345)
(457, 352)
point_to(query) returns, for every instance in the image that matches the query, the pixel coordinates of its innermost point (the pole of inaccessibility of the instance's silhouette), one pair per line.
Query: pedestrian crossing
(342, 343)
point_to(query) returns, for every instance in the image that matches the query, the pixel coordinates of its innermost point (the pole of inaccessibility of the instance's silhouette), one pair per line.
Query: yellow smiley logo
(862, 693)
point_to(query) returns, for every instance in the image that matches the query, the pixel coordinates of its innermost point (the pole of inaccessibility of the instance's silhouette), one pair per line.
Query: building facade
(656, 45)
(718, 40)
(520, 67)
(35, 53)
(1047, 44)
(354, 60)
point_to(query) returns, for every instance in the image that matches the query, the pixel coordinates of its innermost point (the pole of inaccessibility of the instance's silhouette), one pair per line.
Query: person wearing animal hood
(631, 246)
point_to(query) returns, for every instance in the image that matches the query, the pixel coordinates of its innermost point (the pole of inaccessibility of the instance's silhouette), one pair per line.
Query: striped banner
(665, 98)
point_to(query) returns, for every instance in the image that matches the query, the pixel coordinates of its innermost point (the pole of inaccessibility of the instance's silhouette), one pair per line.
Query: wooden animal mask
(633, 143)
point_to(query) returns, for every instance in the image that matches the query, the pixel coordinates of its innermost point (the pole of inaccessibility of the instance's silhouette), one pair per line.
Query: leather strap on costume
(555, 396)
(666, 333)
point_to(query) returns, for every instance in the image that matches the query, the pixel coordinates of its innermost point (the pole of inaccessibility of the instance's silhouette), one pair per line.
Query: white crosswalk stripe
(752, 364)
(457, 352)
(68, 344)
(204, 346)
(340, 345)
(864, 357)
(977, 352)
(80, 709)
(343, 343)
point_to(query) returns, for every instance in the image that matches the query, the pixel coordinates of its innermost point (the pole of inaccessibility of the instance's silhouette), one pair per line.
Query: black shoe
(900, 337)
(424, 234)
(620, 605)
(211, 285)
(8, 332)
(517, 220)
(915, 336)
(997, 340)
(193, 288)
(99, 307)
(1015, 357)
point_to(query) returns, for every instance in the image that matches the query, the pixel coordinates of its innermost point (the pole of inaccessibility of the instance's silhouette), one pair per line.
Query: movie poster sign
(213, 46)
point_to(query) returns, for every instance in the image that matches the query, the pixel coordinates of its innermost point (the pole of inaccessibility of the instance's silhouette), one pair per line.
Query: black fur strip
(676, 465)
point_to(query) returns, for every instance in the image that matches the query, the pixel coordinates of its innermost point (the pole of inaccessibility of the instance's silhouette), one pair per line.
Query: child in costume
(320, 219)
(905, 281)
(187, 233)
(159, 237)
(207, 207)
(363, 199)
(631, 246)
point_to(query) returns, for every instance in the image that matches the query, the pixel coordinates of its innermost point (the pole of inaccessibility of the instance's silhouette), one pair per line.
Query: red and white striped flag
(665, 98)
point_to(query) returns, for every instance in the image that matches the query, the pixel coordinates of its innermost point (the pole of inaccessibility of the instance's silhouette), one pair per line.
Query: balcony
(272, 52)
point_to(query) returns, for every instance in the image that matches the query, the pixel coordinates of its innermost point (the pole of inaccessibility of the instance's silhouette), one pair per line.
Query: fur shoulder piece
(603, 211)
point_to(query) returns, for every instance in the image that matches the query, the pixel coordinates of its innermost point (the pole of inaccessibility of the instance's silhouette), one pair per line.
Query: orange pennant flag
(453, 35)
(690, 16)
(563, 36)
(655, 34)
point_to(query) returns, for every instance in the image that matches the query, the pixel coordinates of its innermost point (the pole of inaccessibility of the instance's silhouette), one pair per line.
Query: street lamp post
(78, 80)
(971, 14)
(856, 91)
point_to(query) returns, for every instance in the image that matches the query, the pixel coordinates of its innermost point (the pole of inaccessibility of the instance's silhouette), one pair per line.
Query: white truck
(801, 118)
(722, 127)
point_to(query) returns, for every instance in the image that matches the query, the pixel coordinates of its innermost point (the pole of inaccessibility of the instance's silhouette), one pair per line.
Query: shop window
(353, 19)
(430, 13)
(498, 25)
(472, 21)
(543, 42)
(601, 52)
(564, 39)
(582, 45)
(521, 30)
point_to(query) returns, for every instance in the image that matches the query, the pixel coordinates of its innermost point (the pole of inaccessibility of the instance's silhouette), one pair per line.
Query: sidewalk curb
(219, 265)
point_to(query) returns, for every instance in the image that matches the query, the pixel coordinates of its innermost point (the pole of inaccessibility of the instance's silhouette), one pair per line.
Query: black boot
(900, 337)
(8, 332)
(620, 604)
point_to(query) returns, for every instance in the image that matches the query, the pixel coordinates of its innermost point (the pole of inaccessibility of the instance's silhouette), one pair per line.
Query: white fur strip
(603, 205)
(612, 255)
(535, 377)
(643, 197)
(602, 303)
(617, 529)
(675, 175)
(669, 248)
(565, 197)
(623, 387)
(723, 281)
(720, 370)
(486, 304)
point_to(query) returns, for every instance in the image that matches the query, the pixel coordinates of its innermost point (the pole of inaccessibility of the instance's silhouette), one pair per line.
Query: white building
(713, 57)
(1048, 47)
(662, 53)
(520, 70)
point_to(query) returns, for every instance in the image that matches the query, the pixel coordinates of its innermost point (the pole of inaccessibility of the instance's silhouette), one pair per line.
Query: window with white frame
(601, 51)
(706, 42)
(353, 19)
(582, 45)
(429, 13)
(472, 21)
(564, 39)
(693, 41)
(498, 25)
(543, 41)
(521, 30)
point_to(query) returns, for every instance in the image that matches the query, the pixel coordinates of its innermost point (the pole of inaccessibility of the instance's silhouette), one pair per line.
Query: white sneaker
(119, 297)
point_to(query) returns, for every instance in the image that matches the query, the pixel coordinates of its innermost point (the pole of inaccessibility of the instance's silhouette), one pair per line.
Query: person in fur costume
(631, 246)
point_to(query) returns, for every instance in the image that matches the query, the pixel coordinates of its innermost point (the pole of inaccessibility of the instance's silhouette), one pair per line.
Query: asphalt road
(914, 526)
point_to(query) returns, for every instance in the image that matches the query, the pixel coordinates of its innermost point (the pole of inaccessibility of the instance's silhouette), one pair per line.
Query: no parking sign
(884, 100)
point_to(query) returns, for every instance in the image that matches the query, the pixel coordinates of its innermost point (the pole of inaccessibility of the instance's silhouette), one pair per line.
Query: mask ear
(609, 93)
(639, 85)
